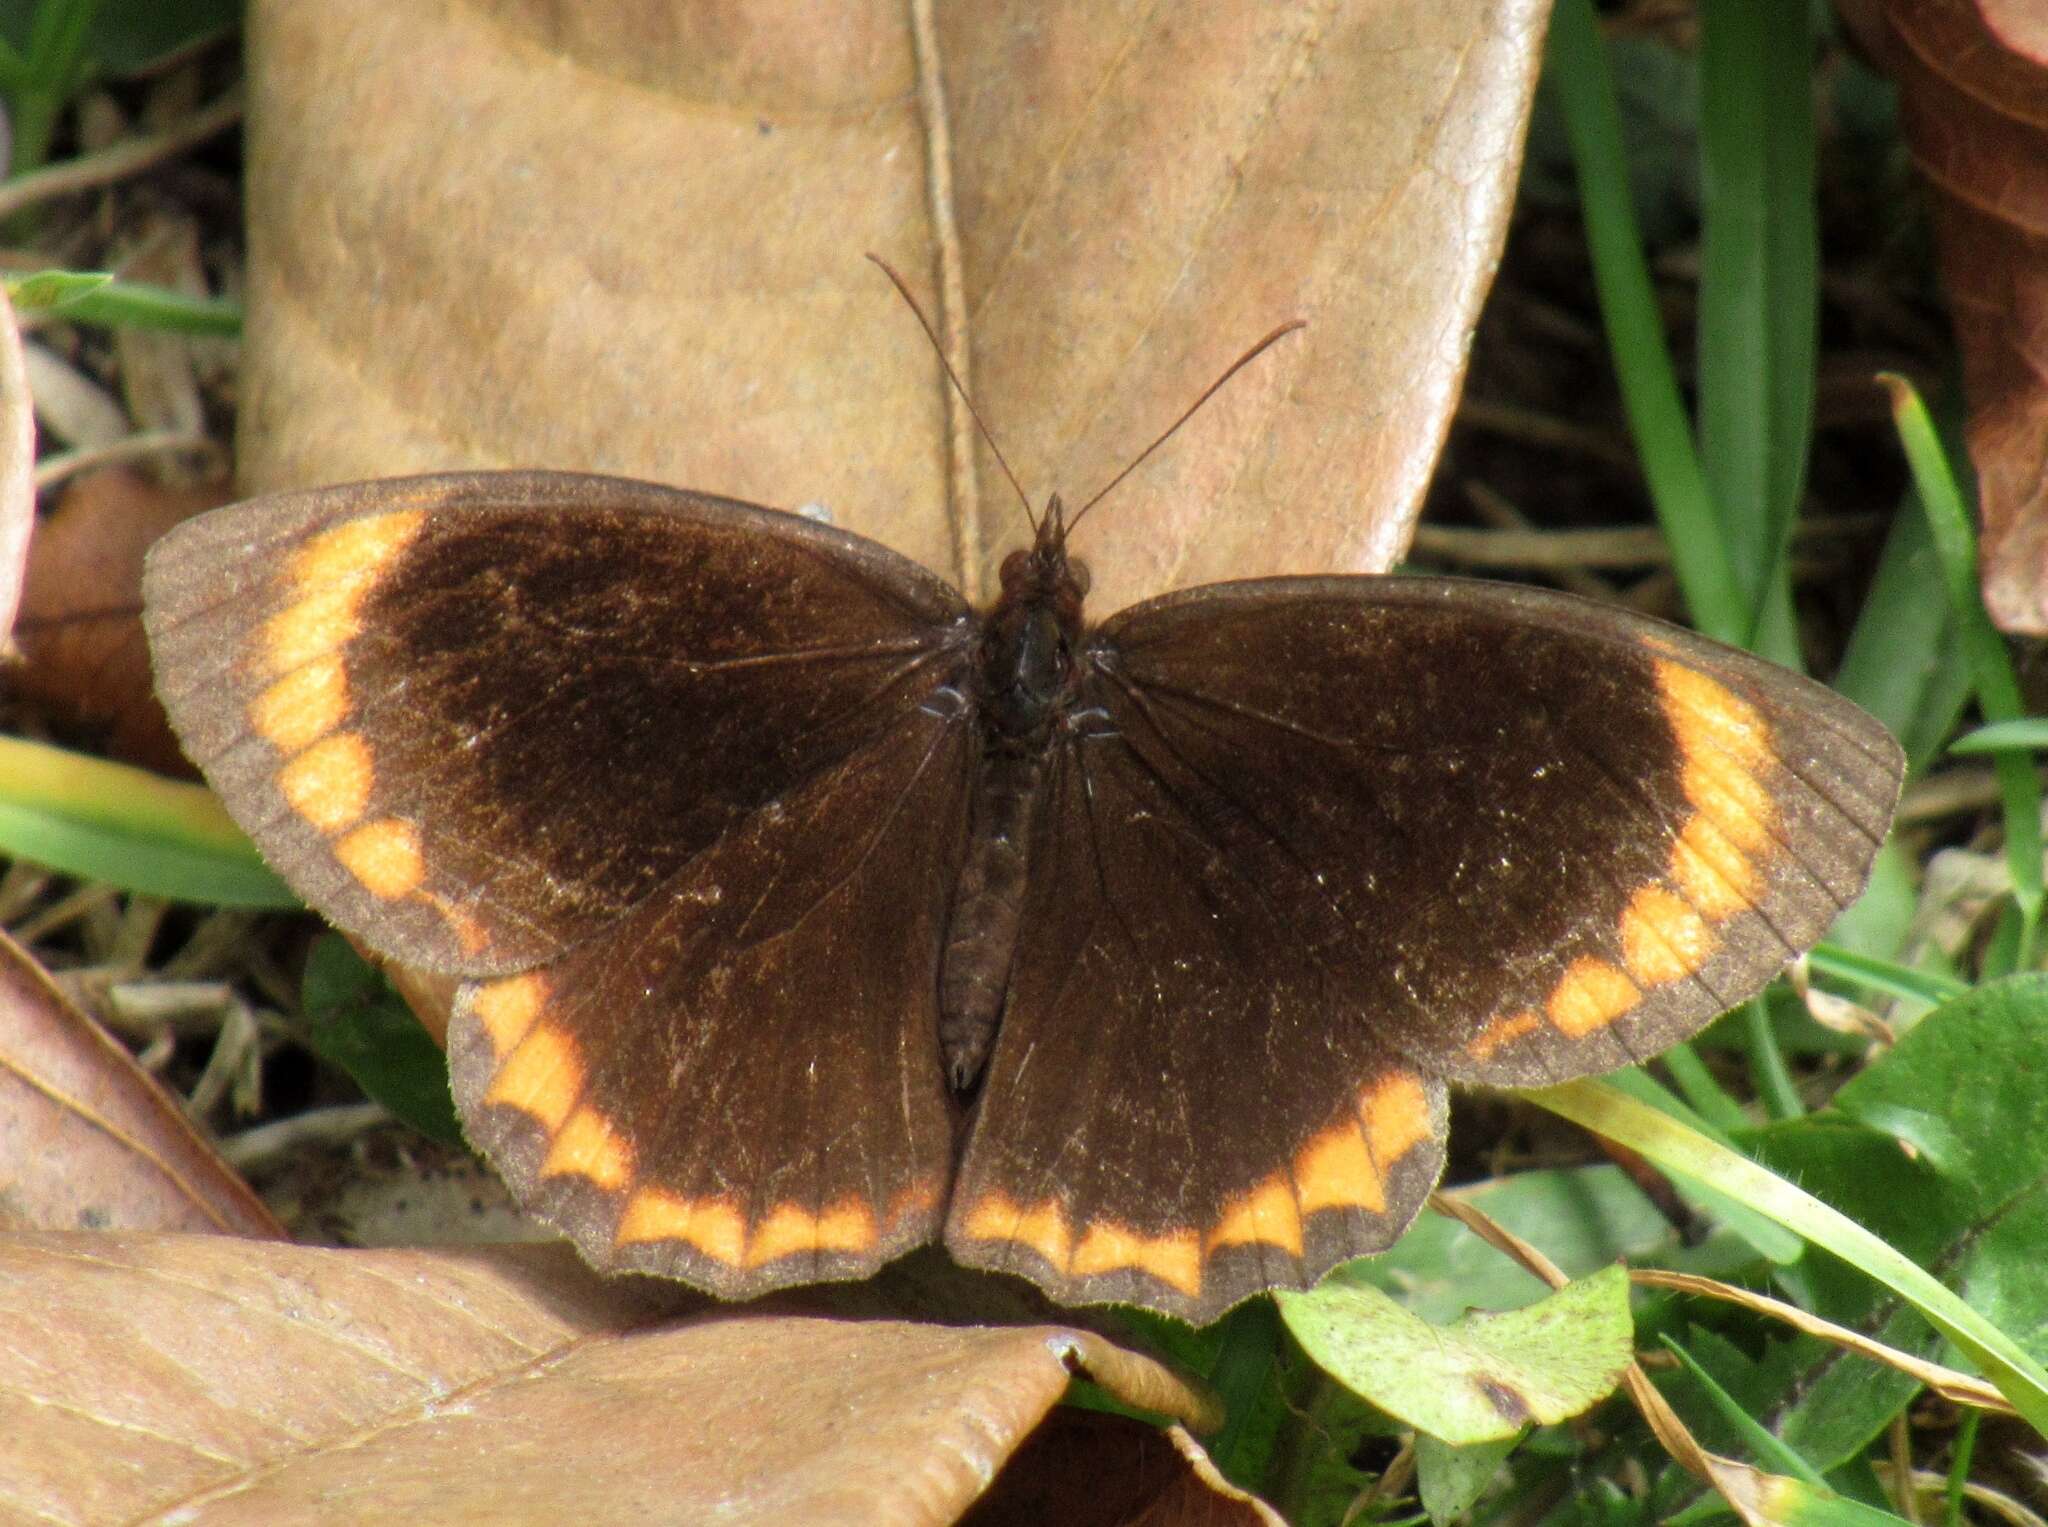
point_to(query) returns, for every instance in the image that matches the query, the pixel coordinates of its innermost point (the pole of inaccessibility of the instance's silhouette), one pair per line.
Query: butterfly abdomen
(1025, 679)
(987, 912)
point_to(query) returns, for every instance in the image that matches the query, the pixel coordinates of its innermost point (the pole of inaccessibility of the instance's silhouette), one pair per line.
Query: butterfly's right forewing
(676, 782)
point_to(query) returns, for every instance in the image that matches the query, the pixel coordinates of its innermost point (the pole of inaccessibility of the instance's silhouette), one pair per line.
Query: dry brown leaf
(80, 630)
(17, 468)
(88, 1139)
(1949, 1383)
(1975, 112)
(237, 1381)
(629, 239)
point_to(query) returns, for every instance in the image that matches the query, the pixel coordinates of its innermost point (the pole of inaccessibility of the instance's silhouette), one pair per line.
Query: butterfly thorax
(1026, 673)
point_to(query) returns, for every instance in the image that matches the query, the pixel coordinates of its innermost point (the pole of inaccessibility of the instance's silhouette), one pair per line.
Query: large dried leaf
(244, 1382)
(17, 468)
(1975, 108)
(628, 238)
(88, 1139)
(80, 630)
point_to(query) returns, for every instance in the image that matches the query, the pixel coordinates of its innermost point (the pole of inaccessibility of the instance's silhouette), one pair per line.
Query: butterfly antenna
(1236, 366)
(958, 386)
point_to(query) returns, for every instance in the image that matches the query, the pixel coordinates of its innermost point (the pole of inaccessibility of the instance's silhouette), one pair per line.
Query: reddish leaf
(87, 1138)
(1975, 109)
(80, 630)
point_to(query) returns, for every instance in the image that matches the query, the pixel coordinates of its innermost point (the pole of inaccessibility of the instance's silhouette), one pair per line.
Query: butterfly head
(1043, 572)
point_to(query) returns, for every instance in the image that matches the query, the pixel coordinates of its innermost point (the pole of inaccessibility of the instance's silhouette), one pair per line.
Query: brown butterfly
(807, 915)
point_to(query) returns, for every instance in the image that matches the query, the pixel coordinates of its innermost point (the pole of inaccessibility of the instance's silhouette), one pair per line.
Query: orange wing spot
(1590, 995)
(542, 1077)
(1709, 717)
(329, 577)
(470, 936)
(994, 1217)
(303, 706)
(1712, 873)
(357, 550)
(1396, 1113)
(1727, 746)
(507, 1008)
(1662, 938)
(313, 626)
(1335, 1171)
(329, 783)
(588, 1146)
(1501, 1032)
(1267, 1213)
(1174, 1259)
(788, 1231)
(914, 1202)
(714, 1226)
(1732, 798)
(385, 856)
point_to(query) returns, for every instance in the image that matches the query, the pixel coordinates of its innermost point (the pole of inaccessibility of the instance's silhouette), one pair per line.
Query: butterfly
(806, 915)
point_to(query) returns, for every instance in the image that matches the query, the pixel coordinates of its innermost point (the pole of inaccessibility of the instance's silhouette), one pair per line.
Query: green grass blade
(99, 298)
(1885, 977)
(1998, 690)
(53, 68)
(1759, 293)
(105, 821)
(1904, 662)
(2029, 734)
(1768, 1449)
(1576, 68)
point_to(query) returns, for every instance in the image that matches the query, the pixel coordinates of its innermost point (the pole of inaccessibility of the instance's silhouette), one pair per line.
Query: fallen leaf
(88, 1139)
(1975, 113)
(241, 1381)
(630, 241)
(80, 629)
(17, 468)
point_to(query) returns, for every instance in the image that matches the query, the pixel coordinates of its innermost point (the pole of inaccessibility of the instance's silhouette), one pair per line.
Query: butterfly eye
(1078, 571)
(1016, 568)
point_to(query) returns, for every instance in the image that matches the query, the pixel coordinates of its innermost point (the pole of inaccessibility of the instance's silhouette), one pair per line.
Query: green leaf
(1482, 1378)
(104, 821)
(1757, 1437)
(1964, 1090)
(1673, 1146)
(1758, 1230)
(1451, 1479)
(1585, 1217)
(361, 1025)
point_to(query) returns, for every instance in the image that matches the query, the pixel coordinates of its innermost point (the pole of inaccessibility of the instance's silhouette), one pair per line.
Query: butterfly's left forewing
(1314, 846)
